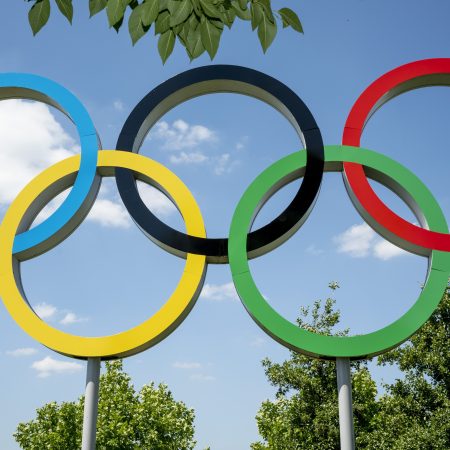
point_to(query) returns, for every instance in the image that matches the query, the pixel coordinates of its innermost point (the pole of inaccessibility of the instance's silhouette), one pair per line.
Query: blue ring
(66, 102)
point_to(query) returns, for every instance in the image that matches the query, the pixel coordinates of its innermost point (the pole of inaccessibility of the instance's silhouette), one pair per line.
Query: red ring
(427, 72)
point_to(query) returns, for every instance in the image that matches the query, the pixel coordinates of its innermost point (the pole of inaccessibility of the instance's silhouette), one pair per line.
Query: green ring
(391, 174)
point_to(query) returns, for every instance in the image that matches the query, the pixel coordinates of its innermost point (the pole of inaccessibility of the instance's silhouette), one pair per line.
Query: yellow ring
(136, 339)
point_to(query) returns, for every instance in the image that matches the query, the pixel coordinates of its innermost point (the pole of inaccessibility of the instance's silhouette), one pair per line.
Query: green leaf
(38, 15)
(183, 33)
(266, 32)
(150, 11)
(165, 44)
(179, 11)
(190, 24)
(148, 419)
(226, 4)
(115, 11)
(163, 4)
(193, 22)
(66, 8)
(194, 45)
(197, 7)
(95, 6)
(210, 10)
(243, 4)
(217, 23)
(291, 19)
(267, 9)
(135, 25)
(117, 25)
(242, 14)
(257, 13)
(162, 23)
(228, 17)
(172, 6)
(177, 28)
(183, 43)
(210, 36)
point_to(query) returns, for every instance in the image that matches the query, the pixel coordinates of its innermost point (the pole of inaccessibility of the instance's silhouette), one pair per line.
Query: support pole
(344, 384)
(91, 404)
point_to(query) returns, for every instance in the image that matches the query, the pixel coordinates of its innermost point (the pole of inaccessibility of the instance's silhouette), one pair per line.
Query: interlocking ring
(58, 226)
(428, 72)
(390, 174)
(36, 195)
(19, 242)
(215, 79)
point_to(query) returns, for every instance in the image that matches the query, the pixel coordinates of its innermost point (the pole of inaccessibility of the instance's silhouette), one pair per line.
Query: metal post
(91, 404)
(344, 383)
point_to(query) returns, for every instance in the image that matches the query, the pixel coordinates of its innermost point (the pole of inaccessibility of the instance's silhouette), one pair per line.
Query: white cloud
(219, 292)
(109, 213)
(31, 141)
(71, 318)
(156, 200)
(49, 312)
(51, 207)
(40, 143)
(385, 250)
(181, 135)
(242, 143)
(201, 377)
(356, 241)
(188, 158)
(360, 241)
(186, 365)
(19, 352)
(313, 250)
(222, 164)
(45, 310)
(118, 105)
(105, 212)
(50, 366)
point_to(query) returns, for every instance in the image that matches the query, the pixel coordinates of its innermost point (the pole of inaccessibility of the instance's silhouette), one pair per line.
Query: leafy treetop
(127, 420)
(198, 24)
(413, 413)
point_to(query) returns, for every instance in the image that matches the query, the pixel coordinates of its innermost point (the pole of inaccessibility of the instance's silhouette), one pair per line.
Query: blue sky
(107, 276)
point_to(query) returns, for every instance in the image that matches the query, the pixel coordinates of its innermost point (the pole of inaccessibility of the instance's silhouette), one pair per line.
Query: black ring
(214, 79)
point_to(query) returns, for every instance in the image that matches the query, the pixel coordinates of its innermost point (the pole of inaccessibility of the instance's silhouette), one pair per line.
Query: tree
(149, 419)
(413, 413)
(198, 24)
(304, 414)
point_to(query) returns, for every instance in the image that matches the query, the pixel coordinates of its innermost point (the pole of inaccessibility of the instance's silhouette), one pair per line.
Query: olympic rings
(432, 240)
(428, 72)
(213, 79)
(35, 195)
(402, 182)
(56, 227)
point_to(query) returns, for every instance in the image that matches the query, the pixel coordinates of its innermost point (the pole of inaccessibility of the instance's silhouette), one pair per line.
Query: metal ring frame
(19, 242)
(392, 175)
(418, 74)
(59, 225)
(215, 79)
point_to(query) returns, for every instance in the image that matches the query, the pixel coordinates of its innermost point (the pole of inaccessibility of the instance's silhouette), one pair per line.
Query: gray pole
(91, 404)
(344, 383)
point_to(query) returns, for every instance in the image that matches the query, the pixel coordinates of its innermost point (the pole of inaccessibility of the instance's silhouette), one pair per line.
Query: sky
(107, 276)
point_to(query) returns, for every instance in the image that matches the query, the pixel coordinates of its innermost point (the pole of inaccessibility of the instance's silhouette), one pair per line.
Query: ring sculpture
(83, 172)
